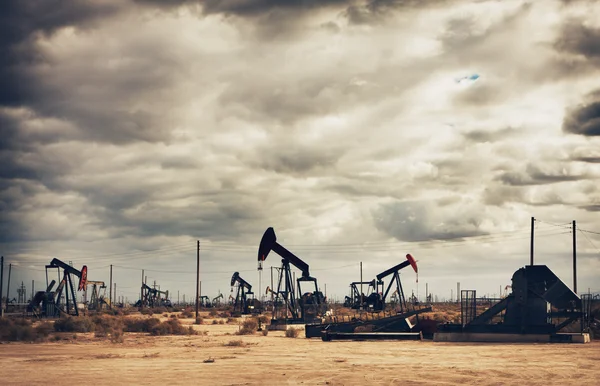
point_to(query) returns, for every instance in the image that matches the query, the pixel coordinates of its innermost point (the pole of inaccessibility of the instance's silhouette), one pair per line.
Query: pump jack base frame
(511, 338)
(391, 324)
(329, 336)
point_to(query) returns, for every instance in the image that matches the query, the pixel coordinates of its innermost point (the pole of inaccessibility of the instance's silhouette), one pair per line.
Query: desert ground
(217, 356)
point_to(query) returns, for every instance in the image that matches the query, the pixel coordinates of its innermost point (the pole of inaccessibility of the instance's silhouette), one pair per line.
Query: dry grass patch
(235, 343)
(292, 332)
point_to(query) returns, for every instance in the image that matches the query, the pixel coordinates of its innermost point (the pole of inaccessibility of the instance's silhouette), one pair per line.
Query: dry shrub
(159, 310)
(199, 320)
(234, 343)
(249, 327)
(215, 321)
(109, 326)
(187, 313)
(264, 319)
(16, 330)
(74, 324)
(221, 321)
(212, 313)
(146, 311)
(44, 329)
(140, 325)
(172, 316)
(292, 332)
(265, 332)
(231, 320)
(172, 327)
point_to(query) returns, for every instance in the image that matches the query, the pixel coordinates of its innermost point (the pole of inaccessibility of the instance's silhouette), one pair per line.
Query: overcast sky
(361, 130)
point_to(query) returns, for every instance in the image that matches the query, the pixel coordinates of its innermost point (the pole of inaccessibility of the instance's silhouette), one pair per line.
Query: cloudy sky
(361, 130)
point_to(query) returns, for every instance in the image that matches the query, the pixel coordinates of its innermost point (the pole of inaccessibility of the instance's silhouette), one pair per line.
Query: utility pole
(531, 244)
(1, 283)
(110, 288)
(8, 285)
(33, 289)
(142, 291)
(271, 283)
(361, 287)
(574, 257)
(197, 277)
(116, 297)
(177, 297)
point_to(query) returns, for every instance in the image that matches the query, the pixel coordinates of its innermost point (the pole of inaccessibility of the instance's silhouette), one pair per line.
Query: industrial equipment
(539, 308)
(216, 301)
(151, 297)
(287, 306)
(244, 302)
(98, 299)
(395, 272)
(396, 325)
(373, 301)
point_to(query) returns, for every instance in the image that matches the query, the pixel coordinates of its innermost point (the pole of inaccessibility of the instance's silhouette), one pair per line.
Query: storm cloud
(131, 129)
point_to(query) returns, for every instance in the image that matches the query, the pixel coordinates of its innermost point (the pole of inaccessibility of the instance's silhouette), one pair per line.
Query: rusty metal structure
(291, 305)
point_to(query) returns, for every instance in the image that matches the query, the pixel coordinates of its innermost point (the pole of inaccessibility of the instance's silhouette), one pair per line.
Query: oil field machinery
(393, 325)
(287, 306)
(151, 297)
(64, 300)
(244, 302)
(539, 308)
(98, 299)
(371, 302)
(399, 291)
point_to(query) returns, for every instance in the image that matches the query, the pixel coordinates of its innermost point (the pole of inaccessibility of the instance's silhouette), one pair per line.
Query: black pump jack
(287, 307)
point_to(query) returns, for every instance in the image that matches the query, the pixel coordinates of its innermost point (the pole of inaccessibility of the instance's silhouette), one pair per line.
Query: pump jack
(372, 302)
(244, 302)
(287, 308)
(395, 271)
(398, 324)
(97, 298)
(151, 297)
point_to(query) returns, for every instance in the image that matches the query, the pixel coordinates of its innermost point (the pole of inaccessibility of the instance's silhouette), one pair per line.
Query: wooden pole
(8, 286)
(110, 288)
(197, 277)
(1, 284)
(574, 257)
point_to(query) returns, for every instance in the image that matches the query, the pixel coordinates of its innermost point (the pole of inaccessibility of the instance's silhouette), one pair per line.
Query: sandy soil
(277, 360)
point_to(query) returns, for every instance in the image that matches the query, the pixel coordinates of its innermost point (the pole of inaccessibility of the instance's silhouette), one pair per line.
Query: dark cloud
(534, 175)
(576, 38)
(258, 7)
(422, 221)
(593, 160)
(482, 136)
(591, 207)
(374, 11)
(584, 119)
(21, 23)
(293, 159)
